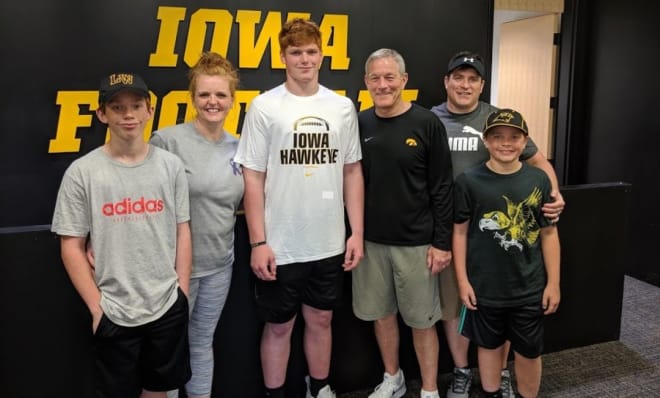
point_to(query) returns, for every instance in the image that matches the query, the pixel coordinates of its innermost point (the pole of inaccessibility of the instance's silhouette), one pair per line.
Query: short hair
(298, 32)
(213, 64)
(386, 53)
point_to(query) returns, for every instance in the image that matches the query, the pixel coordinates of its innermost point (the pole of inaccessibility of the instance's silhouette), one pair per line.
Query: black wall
(608, 128)
(55, 48)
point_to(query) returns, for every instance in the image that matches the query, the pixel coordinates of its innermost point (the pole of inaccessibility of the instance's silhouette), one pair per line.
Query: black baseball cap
(506, 117)
(466, 60)
(116, 82)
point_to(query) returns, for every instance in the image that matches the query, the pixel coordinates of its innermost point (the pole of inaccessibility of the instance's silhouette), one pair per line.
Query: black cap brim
(108, 95)
(470, 62)
(115, 83)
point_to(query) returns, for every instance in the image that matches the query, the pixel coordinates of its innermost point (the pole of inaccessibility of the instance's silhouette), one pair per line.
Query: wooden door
(527, 74)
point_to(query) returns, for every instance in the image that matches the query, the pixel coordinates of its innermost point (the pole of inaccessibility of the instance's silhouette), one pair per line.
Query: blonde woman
(216, 189)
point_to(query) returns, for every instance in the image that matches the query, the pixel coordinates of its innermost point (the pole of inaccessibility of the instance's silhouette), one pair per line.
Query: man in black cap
(464, 116)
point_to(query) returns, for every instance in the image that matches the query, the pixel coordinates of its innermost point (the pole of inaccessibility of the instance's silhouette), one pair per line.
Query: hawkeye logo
(411, 142)
(127, 206)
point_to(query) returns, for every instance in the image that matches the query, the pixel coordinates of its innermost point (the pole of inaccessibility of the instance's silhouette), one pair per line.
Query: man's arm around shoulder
(550, 209)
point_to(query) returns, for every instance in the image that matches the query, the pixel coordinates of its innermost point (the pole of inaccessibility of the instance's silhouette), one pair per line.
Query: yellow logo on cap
(411, 142)
(505, 117)
(121, 78)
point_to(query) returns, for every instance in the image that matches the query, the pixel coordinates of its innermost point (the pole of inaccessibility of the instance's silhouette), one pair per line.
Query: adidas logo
(128, 206)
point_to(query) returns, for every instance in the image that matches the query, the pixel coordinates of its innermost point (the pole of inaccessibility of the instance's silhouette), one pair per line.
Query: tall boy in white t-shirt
(300, 153)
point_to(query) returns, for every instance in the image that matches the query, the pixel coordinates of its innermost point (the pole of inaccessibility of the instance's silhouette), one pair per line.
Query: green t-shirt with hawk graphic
(504, 259)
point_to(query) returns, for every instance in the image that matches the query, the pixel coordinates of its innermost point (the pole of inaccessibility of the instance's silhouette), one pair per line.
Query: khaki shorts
(393, 279)
(449, 300)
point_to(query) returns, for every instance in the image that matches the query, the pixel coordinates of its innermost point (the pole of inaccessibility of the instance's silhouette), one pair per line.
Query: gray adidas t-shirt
(131, 213)
(216, 188)
(465, 135)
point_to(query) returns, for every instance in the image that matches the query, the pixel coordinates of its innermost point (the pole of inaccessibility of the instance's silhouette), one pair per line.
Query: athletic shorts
(154, 356)
(393, 279)
(449, 300)
(490, 327)
(317, 284)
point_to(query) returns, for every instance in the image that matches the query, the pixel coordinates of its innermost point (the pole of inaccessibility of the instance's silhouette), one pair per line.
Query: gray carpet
(626, 368)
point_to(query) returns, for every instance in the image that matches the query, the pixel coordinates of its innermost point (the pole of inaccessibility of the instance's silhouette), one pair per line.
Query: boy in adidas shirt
(132, 200)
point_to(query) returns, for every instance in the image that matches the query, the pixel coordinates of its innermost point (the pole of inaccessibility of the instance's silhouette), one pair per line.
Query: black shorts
(490, 327)
(317, 284)
(154, 356)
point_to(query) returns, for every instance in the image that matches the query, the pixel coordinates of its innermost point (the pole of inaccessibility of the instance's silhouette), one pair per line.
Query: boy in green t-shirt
(506, 255)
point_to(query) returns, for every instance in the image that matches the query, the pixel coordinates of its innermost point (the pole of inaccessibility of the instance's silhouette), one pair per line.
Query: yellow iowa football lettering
(251, 51)
(366, 102)
(70, 119)
(176, 106)
(199, 21)
(252, 46)
(334, 29)
(76, 108)
(169, 18)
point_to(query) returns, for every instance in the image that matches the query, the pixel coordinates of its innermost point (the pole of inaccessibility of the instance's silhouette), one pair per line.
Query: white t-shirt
(302, 143)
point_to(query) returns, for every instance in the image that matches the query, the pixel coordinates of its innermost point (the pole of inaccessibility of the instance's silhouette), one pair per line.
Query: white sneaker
(325, 392)
(391, 387)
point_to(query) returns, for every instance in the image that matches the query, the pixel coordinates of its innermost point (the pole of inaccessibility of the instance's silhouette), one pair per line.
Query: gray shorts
(449, 300)
(393, 279)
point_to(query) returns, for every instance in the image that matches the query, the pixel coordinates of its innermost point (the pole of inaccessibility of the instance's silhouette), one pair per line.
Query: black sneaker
(460, 383)
(505, 385)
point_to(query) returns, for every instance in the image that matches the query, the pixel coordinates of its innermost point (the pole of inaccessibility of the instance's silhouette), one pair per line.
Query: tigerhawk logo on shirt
(128, 206)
